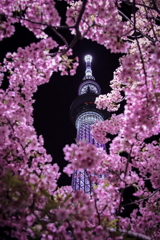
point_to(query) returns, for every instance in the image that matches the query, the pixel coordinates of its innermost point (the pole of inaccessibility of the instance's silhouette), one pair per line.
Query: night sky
(53, 100)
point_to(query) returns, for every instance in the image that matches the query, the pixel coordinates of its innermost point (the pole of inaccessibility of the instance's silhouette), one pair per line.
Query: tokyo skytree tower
(84, 114)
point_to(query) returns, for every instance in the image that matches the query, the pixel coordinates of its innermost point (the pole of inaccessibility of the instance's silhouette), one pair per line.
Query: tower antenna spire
(88, 60)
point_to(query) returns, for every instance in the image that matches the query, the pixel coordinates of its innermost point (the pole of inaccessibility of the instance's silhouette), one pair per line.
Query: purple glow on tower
(83, 125)
(85, 118)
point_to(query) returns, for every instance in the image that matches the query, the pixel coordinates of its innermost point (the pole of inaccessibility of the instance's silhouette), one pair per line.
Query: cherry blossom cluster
(109, 101)
(34, 15)
(113, 166)
(23, 153)
(100, 22)
(112, 126)
(81, 156)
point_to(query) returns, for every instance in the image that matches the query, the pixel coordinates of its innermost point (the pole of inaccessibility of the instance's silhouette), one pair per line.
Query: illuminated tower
(84, 114)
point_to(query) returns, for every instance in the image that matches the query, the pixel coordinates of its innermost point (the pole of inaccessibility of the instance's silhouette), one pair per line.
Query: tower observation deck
(84, 114)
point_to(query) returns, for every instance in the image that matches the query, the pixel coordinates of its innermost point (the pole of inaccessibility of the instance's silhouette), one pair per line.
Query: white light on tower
(88, 60)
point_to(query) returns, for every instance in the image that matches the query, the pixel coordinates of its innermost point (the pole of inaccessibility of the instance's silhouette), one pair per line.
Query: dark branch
(155, 6)
(59, 35)
(141, 200)
(81, 13)
(78, 35)
(98, 214)
(125, 173)
(139, 31)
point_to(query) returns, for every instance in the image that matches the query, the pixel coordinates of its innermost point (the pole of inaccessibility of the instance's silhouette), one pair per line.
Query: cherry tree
(32, 207)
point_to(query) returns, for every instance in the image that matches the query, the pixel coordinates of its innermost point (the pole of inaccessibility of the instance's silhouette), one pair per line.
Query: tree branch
(138, 45)
(59, 35)
(81, 13)
(78, 35)
(112, 171)
(155, 6)
(125, 173)
(63, 27)
(138, 4)
(141, 33)
(98, 214)
(152, 27)
(141, 200)
(137, 235)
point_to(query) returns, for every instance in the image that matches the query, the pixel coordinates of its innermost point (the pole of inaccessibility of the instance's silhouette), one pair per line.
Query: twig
(127, 33)
(138, 4)
(49, 26)
(88, 29)
(155, 6)
(81, 13)
(103, 209)
(98, 214)
(116, 174)
(130, 234)
(137, 235)
(141, 33)
(63, 27)
(141, 200)
(72, 229)
(152, 27)
(125, 173)
(59, 35)
(78, 35)
(138, 45)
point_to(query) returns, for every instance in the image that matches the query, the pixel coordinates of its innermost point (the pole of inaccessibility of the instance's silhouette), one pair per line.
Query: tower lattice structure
(84, 114)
